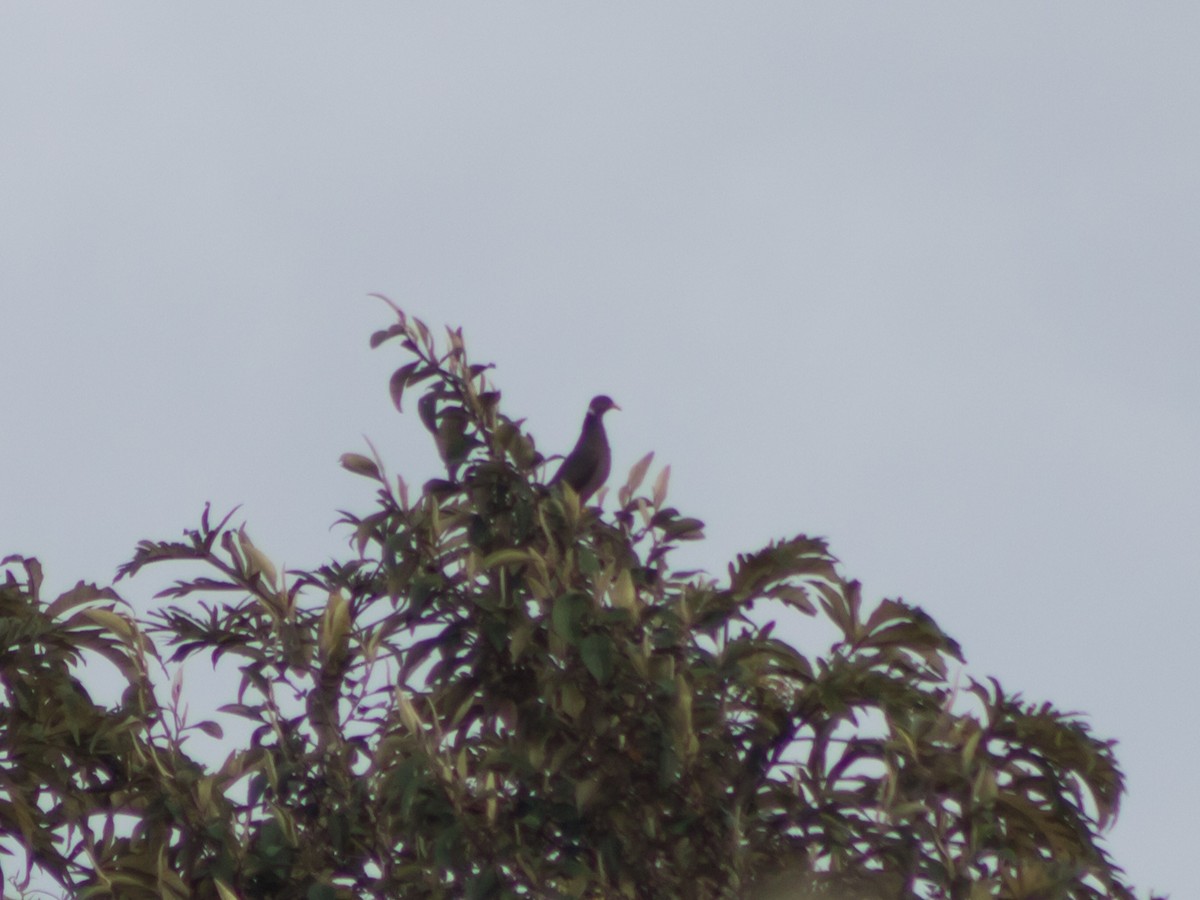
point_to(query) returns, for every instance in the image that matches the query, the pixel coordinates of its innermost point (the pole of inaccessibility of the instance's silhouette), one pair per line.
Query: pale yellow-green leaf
(570, 502)
(622, 592)
(114, 622)
(170, 885)
(644, 512)
(408, 712)
(660, 486)
(333, 631)
(602, 581)
(505, 557)
(360, 465)
(257, 562)
(204, 792)
(465, 707)
(683, 707)
(985, 789)
(969, 748)
(490, 804)
(572, 700)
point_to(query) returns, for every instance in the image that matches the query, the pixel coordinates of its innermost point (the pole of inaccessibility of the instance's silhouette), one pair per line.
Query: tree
(501, 693)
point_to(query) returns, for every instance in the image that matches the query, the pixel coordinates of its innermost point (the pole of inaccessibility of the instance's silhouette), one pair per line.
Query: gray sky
(920, 278)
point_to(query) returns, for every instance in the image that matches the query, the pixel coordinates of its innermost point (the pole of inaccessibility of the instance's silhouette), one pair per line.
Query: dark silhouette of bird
(586, 467)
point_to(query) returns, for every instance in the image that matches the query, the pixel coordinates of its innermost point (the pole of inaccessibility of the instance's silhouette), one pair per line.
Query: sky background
(918, 278)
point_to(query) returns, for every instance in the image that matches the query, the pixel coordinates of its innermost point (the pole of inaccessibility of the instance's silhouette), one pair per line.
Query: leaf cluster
(502, 693)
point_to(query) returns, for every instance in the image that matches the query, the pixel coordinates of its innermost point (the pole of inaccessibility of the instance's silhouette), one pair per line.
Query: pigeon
(586, 467)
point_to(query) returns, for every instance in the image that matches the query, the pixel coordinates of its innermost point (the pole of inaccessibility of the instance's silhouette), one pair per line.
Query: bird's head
(601, 404)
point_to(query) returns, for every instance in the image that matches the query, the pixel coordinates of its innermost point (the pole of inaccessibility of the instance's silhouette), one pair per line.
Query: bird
(587, 465)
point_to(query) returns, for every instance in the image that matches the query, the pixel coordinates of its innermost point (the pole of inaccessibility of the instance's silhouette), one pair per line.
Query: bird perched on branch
(586, 467)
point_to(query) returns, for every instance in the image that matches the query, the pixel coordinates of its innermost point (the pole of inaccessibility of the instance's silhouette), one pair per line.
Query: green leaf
(636, 475)
(360, 465)
(599, 656)
(567, 616)
(684, 529)
(588, 563)
(572, 701)
(398, 382)
(505, 556)
(212, 729)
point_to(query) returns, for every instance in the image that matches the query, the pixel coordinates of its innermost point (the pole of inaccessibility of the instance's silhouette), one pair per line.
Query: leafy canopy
(500, 693)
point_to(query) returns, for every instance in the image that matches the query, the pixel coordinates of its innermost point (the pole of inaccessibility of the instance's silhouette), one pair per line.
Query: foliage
(502, 694)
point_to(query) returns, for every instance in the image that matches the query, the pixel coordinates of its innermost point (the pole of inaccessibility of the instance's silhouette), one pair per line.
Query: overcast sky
(919, 278)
